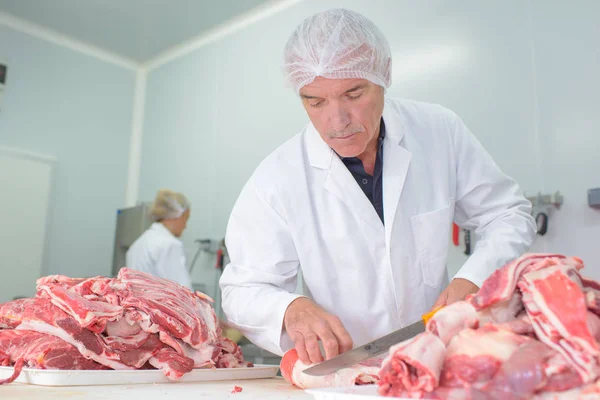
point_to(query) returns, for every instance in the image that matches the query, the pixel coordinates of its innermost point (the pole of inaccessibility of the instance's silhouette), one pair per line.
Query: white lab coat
(158, 252)
(303, 209)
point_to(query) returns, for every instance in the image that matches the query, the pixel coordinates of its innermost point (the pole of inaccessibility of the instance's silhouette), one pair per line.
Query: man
(362, 201)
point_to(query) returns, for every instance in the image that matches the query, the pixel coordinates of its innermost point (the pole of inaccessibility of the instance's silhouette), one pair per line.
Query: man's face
(345, 112)
(181, 223)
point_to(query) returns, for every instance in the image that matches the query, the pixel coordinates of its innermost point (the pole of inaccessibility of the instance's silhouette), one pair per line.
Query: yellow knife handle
(430, 314)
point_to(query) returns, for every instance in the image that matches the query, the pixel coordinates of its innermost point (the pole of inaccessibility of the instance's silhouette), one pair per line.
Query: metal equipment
(131, 223)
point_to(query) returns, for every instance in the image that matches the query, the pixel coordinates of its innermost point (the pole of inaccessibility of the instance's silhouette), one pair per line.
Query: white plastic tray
(53, 377)
(366, 392)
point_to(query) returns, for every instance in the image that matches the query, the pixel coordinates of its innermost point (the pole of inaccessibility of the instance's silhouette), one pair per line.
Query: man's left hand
(457, 290)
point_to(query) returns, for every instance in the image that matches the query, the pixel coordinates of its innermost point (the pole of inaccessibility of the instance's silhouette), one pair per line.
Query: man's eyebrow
(355, 88)
(307, 97)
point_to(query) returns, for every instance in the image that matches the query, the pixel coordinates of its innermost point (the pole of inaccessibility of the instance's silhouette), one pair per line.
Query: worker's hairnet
(168, 205)
(337, 44)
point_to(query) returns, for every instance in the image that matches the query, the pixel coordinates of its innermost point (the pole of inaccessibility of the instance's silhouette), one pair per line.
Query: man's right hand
(306, 323)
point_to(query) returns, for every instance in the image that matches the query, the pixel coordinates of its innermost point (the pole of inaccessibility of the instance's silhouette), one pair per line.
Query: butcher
(361, 201)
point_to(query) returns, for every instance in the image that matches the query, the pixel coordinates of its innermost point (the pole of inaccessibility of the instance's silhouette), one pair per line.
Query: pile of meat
(532, 331)
(134, 321)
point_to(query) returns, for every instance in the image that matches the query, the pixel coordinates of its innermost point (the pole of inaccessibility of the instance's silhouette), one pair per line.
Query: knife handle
(430, 314)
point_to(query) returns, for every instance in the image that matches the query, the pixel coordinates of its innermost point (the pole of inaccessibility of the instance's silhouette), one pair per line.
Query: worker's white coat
(302, 209)
(158, 252)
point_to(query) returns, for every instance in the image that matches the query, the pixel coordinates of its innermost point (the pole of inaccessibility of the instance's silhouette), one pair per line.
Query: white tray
(53, 377)
(366, 392)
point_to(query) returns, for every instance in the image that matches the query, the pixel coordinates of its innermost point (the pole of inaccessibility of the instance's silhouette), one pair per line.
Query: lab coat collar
(160, 228)
(339, 180)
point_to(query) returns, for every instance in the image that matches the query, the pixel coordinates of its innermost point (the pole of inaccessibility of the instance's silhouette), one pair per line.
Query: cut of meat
(521, 325)
(60, 280)
(452, 319)
(502, 312)
(172, 364)
(182, 314)
(501, 285)
(11, 313)
(230, 354)
(475, 356)
(89, 314)
(16, 371)
(532, 368)
(561, 376)
(138, 356)
(38, 350)
(99, 288)
(42, 316)
(291, 369)
(413, 365)
(562, 325)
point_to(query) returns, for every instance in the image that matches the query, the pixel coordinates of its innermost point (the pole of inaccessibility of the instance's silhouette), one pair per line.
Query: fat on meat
(362, 374)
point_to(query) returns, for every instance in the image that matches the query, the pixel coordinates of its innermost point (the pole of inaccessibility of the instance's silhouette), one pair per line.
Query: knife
(371, 349)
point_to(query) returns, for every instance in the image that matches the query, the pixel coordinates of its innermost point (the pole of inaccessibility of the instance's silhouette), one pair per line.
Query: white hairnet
(168, 205)
(337, 44)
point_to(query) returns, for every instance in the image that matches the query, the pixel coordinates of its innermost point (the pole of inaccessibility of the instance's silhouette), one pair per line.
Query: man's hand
(306, 323)
(457, 290)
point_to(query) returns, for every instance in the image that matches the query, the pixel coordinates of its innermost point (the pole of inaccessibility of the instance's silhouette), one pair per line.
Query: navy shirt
(372, 186)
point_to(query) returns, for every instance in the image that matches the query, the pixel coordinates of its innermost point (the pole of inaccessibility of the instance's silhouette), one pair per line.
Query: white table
(260, 389)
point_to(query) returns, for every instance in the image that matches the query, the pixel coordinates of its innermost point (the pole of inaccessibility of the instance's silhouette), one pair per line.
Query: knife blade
(371, 349)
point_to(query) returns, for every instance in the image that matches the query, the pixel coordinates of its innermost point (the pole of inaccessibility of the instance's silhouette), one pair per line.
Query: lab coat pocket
(431, 232)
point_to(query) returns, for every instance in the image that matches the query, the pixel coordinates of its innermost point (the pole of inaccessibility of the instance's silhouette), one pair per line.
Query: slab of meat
(179, 312)
(501, 285)
(41, 315)
(362, 374)
(230, 354)
(413, 365)
(556, 304)
(474, 356)
(534, 335)
(93, 315)
(37, 350)
(173, 365)
(61, 280)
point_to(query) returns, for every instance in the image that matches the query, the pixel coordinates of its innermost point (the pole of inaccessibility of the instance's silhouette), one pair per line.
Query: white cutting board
(366, 392)
(54, 377)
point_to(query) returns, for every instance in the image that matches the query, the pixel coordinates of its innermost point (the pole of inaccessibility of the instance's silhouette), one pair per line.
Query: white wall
(527, 90)
(567, 64)
(78, 109)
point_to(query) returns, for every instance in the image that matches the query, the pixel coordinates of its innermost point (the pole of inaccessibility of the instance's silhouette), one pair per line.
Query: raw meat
(456, 317)
(230, 354)
(413, 365)
(362, 374)
(474, 356)
(93, 315)
(534, 335)
(501, 285)
(37, 350)
(172, 364)
(179, 312)
(134, 321)
(236, 389)
(556, 304)
(42, 316)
